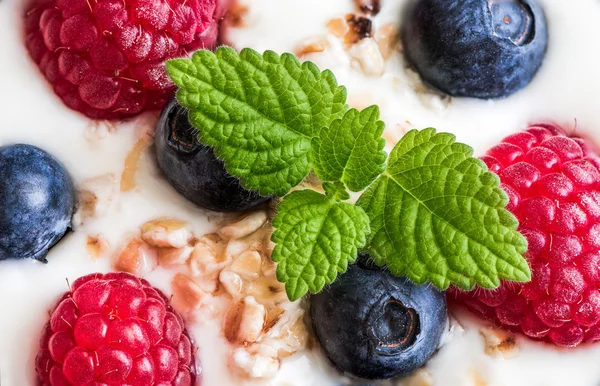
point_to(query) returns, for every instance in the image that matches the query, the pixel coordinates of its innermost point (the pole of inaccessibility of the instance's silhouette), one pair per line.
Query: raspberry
(553, 185)
(105, 58)
(115, 329)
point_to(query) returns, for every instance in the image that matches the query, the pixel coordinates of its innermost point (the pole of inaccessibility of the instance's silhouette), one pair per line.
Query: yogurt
(564, 91)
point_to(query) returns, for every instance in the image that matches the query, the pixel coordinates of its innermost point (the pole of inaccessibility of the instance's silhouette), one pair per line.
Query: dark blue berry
(475, 48)
(374, 325)
(193, 169)
(37, 199)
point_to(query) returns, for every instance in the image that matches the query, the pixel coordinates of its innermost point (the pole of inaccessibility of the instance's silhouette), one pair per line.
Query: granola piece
(338, 27)
(420, 378)
(136, 258)
(132, 162)
(166, 233)
(238, 246)
(244, 321)
(370, 7)
(203, 259)
(95, 195)
(499, 342)
(232, 283)
(97, 246)
(267, 290)
(359, 28)
(268, 245)
(174, 256)
(387, 40)
(286, 337)
(247, 265)
(236, 15)
(269, 267)
(274, 314)
(244, 227)
(311, 46)
(367, 55)
(254, 365)
(187, 295)
(477, 378)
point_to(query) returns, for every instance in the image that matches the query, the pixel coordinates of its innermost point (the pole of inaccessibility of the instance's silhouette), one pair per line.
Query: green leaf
(316, 237)
(336, 191)
(437, 215)
(259, 112)
(350, 150)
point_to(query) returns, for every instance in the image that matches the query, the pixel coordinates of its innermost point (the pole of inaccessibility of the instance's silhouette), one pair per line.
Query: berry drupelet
(115, 329)
(105, 58)
(553, 186)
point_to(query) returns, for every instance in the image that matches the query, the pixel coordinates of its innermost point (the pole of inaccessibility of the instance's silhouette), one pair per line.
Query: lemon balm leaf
(438, 215)
(350, 150)
(259, 112)
(316, 237)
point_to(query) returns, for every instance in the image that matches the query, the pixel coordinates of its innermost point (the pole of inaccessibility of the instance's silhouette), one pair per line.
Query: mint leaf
(259, 112)
(316, 237)
(350, 150)
(437, 215)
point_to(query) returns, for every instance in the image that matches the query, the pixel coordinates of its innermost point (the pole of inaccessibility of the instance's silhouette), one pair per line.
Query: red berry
(112, 329)
(105, 58)
(553, 185)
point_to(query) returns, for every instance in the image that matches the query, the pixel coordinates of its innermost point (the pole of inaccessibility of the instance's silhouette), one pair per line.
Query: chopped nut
(187, 295)
(96, 245)
(254, 365)
(244, 227)
(136, 258)
(359, 28)
(232, 282)
(338, 27)
(311, 46)
(420, 378)
(166, 233)
(247, 265)
(499, 342)
(132, 162)
(174, 256)
(387, 38)
(366, 53)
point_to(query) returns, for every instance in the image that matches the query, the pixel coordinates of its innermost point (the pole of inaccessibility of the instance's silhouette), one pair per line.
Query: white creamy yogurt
(564, 91)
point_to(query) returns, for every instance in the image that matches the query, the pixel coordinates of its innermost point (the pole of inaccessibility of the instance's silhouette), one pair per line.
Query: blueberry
(37, 199)
(193, 169)
(374, 325)
(475, 48)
